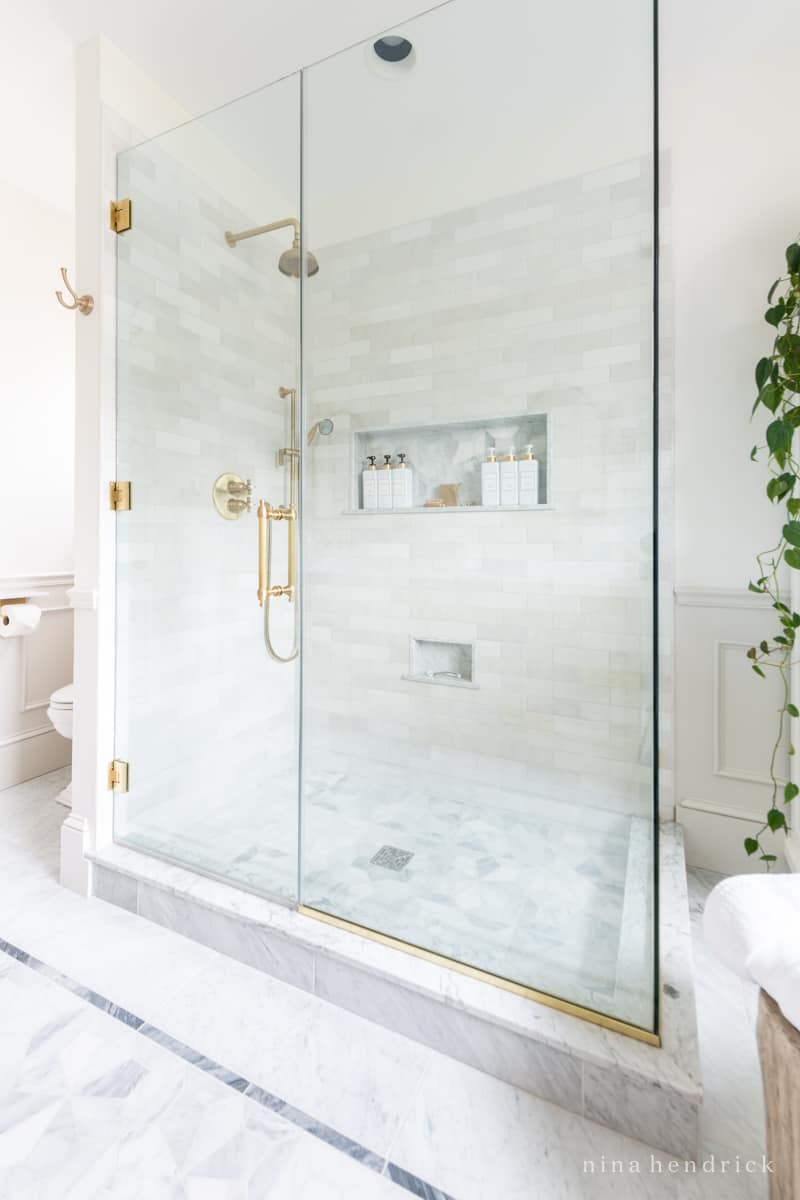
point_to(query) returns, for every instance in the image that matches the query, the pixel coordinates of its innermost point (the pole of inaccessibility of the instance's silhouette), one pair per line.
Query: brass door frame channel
(507, 985)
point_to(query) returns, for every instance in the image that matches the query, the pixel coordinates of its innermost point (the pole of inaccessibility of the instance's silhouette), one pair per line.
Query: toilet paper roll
(18, 620)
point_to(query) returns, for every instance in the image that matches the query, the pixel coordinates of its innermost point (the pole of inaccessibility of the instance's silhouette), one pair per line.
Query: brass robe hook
(84, 304)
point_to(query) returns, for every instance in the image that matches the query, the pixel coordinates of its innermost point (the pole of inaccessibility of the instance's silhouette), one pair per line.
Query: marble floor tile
(494, 879)
(109, 950)
(349, 1073)
(92, 1108)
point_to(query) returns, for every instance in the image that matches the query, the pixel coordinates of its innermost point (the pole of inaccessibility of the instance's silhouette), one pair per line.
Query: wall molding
(19, 585)
(85, 599)
(718, 702)
(24, 734)
(722, 810)
(26, 705)
(720, 598)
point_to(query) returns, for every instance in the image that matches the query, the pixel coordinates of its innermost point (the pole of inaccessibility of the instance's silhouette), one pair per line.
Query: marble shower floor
(90, 1109)
(513, 886)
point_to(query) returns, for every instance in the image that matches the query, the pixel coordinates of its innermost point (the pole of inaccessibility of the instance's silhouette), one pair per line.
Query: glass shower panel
(208, 335)
(478, 725)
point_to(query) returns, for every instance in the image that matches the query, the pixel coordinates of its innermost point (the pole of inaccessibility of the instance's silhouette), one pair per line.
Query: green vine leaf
(770, 396)
(777, 377)
(780, 486)
(779, 438)
(763, 371)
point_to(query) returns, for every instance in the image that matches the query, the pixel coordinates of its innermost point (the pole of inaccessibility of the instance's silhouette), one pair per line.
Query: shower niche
(446, 460)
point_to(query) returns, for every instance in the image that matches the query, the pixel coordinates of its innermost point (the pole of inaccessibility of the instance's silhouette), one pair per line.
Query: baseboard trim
(720, 598)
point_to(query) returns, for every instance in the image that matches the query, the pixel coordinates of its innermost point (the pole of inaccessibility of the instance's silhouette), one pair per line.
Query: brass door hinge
(120, 216)
(117, 776)
(119, 495)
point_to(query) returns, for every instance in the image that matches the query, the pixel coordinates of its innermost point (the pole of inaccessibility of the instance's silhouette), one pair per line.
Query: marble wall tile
(256, 945)
(476, 314)
(643, 1109)
(114, 887)
(536, 1068)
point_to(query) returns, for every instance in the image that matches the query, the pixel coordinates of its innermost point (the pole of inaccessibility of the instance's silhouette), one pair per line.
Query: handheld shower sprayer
(323, 427)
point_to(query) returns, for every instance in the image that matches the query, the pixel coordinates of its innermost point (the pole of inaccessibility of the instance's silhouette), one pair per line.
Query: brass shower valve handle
(241, 495)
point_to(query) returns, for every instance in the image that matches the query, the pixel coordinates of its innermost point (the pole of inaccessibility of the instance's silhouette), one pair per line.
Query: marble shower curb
(647, 1093)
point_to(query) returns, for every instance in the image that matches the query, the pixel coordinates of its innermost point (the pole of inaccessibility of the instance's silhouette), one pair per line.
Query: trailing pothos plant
(778, 383)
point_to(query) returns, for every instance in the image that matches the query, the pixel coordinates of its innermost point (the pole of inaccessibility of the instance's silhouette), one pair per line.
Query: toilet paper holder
(12, 600)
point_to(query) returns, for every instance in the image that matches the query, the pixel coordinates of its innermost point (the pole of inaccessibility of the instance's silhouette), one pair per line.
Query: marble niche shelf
(452, 453)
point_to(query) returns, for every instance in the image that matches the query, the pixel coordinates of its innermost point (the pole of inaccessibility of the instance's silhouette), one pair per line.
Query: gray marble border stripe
(295, 1116)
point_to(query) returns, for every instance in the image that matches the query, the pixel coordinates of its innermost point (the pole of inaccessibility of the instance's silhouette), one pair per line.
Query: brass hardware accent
(288, 456)
(265, 514)
(117, 776)
(289, 261)
(84, 304)
(507, 985)
(119, 495)
(119, 216)
(232, 495)
(286, 222)
(262, 551)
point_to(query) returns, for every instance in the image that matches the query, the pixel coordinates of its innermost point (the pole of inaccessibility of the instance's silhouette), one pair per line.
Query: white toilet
(60, 714)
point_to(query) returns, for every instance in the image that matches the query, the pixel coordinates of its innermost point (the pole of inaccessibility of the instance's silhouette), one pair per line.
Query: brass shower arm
(287, 222)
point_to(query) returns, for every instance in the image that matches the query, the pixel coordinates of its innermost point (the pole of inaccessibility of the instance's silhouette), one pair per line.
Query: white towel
(752, 923)
(775, 966)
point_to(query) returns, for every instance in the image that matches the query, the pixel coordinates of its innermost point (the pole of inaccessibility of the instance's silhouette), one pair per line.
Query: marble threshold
(650, 1093)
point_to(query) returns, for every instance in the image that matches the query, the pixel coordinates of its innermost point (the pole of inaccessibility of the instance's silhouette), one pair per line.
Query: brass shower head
(289, 261)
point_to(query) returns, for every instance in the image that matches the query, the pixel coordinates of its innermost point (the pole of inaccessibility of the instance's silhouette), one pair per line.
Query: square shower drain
(392, 858)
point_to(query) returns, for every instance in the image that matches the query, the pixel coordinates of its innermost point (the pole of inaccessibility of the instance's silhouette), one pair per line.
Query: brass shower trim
(266, 513)
(285, 223)
(232, 496)
(289, 262)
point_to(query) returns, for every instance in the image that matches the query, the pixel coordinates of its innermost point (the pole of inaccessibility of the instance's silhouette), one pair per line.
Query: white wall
(728, 73)
(36, 335)
(36, 379)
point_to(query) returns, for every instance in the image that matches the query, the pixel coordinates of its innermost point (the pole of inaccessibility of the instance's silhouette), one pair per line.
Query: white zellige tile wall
(535, 302)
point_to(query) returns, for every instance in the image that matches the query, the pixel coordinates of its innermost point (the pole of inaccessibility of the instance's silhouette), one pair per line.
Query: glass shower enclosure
(419, 700)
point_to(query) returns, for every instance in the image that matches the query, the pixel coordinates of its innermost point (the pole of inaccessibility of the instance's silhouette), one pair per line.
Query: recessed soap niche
(452, 454)
(434, 660)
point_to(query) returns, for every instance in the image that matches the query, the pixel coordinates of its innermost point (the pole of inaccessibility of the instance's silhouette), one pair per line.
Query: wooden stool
(779, 1050)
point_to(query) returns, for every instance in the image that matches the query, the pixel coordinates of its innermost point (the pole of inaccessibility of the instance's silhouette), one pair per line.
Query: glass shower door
(208, 355)
(478, 722)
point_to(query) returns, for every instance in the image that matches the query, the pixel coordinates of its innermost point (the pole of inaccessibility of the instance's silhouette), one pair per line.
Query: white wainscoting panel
(725, 727)
(31, 669)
